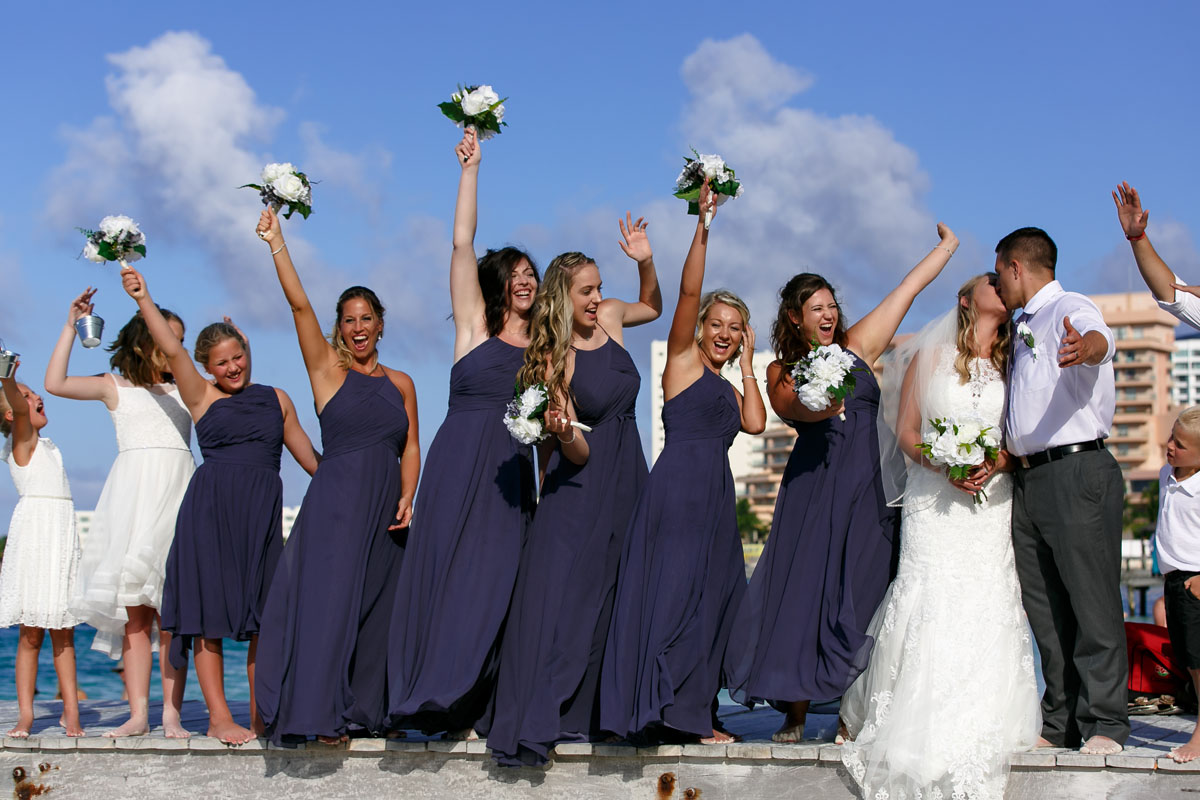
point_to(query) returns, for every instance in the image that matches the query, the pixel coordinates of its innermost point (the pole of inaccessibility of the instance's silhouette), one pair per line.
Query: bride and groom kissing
(950, 691)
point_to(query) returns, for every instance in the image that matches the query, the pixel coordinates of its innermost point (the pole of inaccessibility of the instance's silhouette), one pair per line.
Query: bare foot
(843, 733)
(134, 726)
(1186, 752)
(21, 730)
(786, 735)
(468, 735)
(72, 727)
(719, 737)
(1044, 742)
(258, 728)
(173, 730)
(230, 733)
(1100, 746)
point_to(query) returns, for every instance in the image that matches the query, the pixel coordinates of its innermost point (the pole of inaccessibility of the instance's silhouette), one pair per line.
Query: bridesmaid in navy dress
(477, 498)
(229, 531)
(547, 688)
(322, 668)
(683, 575)
(801, 631)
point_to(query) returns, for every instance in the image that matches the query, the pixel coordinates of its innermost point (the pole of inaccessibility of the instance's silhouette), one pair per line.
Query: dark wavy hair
(787, 337)
(345, 355)
(495, 271)
(135, 356)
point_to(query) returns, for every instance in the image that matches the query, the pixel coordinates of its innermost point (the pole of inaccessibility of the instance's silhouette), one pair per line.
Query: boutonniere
(1026, 336)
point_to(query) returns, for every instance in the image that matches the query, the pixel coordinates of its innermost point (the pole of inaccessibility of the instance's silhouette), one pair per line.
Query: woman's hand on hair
(245, 339)
(81, 306)
(468, 150)
(634, 241)
(134, 283)
(747, 359)
(268, 228)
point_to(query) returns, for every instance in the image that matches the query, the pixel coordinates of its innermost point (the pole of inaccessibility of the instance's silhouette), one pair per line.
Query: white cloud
(174, 151)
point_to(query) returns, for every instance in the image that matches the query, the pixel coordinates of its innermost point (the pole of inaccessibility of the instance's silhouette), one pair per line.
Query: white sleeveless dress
(125, 551)
(42, 554)
(950, 692)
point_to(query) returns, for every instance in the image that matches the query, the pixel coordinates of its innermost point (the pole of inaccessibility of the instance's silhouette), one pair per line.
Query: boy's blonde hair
(1189, 421)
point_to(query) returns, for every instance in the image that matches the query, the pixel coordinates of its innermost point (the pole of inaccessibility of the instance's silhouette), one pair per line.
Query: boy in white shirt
(1178, 542)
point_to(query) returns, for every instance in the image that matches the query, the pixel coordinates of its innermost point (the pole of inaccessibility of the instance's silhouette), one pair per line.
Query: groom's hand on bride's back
(1081, 348)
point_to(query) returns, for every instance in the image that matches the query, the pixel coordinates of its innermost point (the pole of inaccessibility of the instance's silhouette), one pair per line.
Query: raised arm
(754, 413)
(320, 359)
(681, 341)
(58, 383)
(197, 393)
(870, 336)
(619, 313)
(466, 296)
(410, 460)
(1155, 272)
(24, 436)
(295, 438)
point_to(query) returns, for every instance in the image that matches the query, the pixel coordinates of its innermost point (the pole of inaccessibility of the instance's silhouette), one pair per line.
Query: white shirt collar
(1043, 296)
(1189, 486)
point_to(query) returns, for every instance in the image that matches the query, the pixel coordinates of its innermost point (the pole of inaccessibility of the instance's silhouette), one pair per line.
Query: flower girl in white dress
(950, 692)
(125, 552)
(41, 556)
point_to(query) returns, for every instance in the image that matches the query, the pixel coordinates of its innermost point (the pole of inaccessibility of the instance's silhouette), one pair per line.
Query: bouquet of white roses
(960, 445)
(284, 185)
(706, 168)
(118, 239)
(477, 107)
(824, 376)
(523, 415)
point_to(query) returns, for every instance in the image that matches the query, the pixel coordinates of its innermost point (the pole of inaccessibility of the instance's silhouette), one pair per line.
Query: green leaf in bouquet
(105, 250)
(302, 208)
(692, 195)
(694, 208)
(254, 186)
(453, 111)
(140, 249)
(728, 188)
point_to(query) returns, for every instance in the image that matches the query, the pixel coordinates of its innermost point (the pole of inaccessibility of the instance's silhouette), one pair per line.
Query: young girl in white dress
(41, 556)
(125, 552)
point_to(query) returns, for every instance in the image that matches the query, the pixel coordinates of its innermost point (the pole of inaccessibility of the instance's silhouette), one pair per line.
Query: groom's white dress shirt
(1050, 406)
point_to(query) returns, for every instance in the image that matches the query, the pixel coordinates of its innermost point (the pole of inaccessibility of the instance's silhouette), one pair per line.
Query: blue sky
(855, 127)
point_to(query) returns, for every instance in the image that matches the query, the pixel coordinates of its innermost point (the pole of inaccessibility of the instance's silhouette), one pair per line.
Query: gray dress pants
(1067, 543)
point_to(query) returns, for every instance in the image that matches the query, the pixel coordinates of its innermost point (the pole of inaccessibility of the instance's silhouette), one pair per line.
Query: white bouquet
(478, 107)
(706, 168)
(284, 185)
(824, 376)
(960, 445)
(523, 415)
(118, 239)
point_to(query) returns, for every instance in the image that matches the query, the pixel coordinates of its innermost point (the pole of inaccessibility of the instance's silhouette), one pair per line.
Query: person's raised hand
(468, 149)
(134, 283)
(1129, 211)
(1075, 348)
(81, 306)
(634, 241)
(268, 227)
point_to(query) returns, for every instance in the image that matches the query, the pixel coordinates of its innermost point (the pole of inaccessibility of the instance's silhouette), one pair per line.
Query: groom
(1068, 495)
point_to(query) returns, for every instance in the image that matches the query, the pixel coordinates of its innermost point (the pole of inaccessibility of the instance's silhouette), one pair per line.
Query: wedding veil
(907, 376)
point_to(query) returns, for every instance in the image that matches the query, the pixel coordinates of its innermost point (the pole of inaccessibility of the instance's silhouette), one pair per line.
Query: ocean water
(95, 671)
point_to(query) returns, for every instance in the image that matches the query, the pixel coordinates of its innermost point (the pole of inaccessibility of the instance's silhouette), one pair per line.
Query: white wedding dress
(950, 691)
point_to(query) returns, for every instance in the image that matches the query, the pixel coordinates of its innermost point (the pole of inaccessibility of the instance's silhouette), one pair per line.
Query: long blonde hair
(728, 298)
(550, 328)
(968, 322)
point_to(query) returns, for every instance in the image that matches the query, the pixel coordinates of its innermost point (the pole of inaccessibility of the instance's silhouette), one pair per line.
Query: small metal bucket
(8, 361)
(90, 329)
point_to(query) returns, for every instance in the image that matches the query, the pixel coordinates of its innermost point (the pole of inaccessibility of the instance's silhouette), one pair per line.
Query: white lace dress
(42, 553)
(125, 551)
(950, 691)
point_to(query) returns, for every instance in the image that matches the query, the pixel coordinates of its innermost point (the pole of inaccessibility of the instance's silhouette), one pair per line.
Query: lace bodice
(44, 475)
(982, 396)
(151, 418)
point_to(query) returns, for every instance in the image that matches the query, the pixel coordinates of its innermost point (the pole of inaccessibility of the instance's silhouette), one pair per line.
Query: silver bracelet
(566, 441)
(279, 249)
(748, 378)
(942, 247)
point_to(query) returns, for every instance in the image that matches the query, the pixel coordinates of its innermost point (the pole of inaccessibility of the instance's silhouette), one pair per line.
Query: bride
(950, 692)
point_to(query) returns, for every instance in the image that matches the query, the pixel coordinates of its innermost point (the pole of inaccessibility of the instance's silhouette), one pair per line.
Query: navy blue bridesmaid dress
(547, 687)
(322, 653)
(682, 576)
(460, 565)
(228, 535)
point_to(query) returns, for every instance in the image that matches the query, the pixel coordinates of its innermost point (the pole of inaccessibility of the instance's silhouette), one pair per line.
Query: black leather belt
(1055, 453)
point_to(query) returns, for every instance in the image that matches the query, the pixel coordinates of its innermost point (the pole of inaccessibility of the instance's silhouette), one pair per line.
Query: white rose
(92, 253)
(273, 172)
(944, 449)
(114, 227)
(713, 165)
(813, 397)
(530, 399)
(969, 431)
(524, 430)
(991, 439)
(477, 102)
(289, 187)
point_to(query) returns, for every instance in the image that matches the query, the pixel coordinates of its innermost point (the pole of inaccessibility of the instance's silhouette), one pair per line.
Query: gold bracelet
(279, 249)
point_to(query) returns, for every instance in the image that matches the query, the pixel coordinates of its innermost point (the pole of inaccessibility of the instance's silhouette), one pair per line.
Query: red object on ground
(1153, 669)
